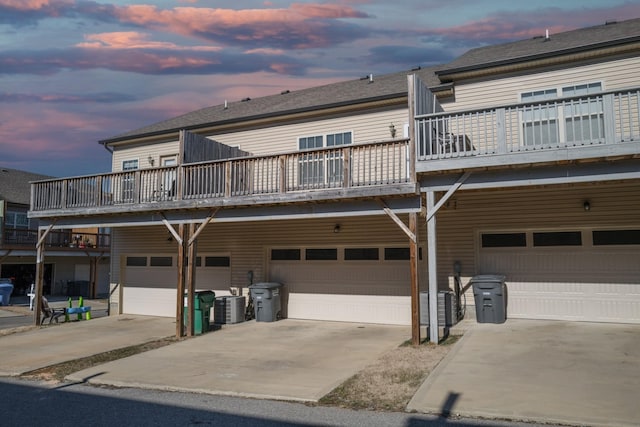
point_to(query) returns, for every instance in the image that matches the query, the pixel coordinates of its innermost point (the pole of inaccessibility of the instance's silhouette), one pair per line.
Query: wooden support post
(415, 283)
(191, 279)
(180, 287)
(227, 179)
(346, 167)
(37, 309)
(282, 174)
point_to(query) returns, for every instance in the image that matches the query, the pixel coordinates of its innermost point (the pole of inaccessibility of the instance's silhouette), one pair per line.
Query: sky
(73, 72)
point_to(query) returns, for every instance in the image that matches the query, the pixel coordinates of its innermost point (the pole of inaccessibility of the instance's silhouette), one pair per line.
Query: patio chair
(443, 143)
(49, 312)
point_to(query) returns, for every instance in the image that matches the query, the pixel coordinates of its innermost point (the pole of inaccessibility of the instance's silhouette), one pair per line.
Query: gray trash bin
(490, 295)
(266, 301)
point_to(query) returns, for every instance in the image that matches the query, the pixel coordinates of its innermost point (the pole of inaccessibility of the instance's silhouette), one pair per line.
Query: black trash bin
(490, 295)
(266, 301)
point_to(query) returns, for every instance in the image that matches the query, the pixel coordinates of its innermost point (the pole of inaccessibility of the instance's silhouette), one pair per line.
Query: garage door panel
(374, 292)
(350, 308)
(149, 301)
(343, 279)
(160, 277)
(585, 283)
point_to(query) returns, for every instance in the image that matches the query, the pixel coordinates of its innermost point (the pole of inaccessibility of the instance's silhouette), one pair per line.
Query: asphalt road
(13, 318)
(38, 404)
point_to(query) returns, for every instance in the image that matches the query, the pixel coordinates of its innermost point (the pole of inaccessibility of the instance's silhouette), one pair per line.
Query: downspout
(107, 148)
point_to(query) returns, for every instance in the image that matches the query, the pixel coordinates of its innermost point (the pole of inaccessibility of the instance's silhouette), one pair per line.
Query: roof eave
(174, 131)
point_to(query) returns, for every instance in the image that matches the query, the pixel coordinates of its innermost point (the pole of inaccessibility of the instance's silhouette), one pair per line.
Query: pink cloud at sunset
(133, 40)
(29, 4)
(303, 20)
(74, 72)
(523, 25)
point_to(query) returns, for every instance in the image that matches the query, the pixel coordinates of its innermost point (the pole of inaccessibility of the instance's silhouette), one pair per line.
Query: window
(136, 261)
(397, 254)
(616, 237)
(129, 180)
(217, 261)
(584, 118)
(361, 254)
(16, 220)
(323, 168)
(539, 122)
(161, 261)
(558, 238)
(504, 240)
(321, 254)
(129, 165)
(285, 254)
(572, 121)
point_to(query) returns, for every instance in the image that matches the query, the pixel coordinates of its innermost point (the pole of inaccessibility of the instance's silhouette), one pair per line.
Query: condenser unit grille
(228, 309)
(446, 309)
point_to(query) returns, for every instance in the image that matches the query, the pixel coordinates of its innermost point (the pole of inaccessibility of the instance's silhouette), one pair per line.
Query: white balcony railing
(607, 118)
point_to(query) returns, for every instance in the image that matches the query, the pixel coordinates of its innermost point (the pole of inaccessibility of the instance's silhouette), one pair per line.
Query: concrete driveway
(546, 371)
(289, 359)
(36, 348)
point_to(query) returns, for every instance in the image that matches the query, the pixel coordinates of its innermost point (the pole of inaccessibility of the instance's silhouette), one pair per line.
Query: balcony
(605, 125)
(350, 171)
(22, 238)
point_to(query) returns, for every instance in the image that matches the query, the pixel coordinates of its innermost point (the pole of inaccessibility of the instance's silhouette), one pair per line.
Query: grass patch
(58, 372)
(389, 383)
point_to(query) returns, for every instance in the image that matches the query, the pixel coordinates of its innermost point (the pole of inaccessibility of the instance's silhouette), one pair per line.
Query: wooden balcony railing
(22, 237)
(344, 167)
(603, 119)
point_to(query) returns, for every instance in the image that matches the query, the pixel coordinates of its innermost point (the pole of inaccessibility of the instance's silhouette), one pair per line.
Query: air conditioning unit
(228, 309)
(447, 309)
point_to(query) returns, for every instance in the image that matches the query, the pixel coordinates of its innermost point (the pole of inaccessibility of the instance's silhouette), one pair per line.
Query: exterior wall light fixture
(586, 205)
(336, 229)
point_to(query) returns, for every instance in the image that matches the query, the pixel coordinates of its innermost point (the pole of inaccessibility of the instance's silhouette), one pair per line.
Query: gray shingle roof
(390, 85)
(346, 92)
(15, 187)
(557, 44)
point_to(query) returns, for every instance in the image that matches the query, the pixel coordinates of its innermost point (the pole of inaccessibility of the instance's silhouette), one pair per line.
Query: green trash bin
(202, 303)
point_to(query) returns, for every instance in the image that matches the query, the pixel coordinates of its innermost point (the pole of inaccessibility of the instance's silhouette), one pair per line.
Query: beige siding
(550, 208)
(614, 75)
(142, 153)
(366, 128)
(248, 243)
(613, 205)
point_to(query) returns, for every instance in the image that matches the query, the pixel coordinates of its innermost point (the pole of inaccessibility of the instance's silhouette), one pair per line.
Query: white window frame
(129, 180)
(322, 168)
(557, 113)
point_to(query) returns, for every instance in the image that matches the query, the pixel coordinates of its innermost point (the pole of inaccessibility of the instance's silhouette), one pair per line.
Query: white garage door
(583, 275)
(150, 282)
(370, 285)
